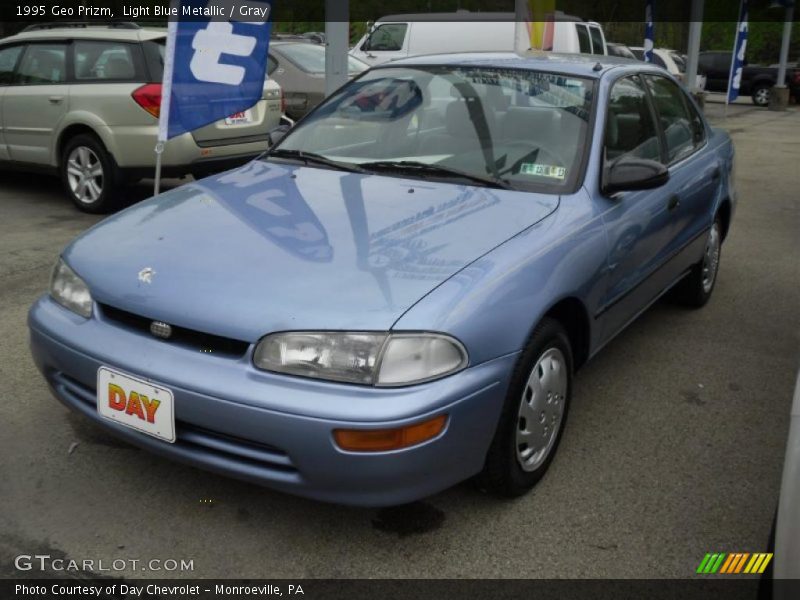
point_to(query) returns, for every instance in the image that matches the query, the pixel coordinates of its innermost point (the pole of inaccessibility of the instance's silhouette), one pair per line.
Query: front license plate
(136, 403)
(239, 118)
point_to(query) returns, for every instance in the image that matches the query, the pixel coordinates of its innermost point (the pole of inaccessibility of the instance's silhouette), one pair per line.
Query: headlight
(70, 291)
(383, 359)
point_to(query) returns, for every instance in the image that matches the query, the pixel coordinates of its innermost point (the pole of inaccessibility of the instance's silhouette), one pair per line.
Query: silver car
(299, 67)
(84, 102)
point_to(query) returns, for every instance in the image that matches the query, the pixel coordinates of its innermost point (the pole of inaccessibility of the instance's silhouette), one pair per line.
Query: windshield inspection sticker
(543, 170)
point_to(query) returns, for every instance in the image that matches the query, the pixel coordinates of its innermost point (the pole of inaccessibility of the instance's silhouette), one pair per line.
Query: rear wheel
(695, 290)
(89, 174)
(534, 414)
(761, 94)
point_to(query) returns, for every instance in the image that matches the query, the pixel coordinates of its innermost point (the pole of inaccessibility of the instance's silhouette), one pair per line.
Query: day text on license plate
(136, 403)
(239, 118)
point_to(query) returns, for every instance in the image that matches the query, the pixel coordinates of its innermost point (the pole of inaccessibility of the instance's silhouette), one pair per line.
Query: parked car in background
(620, 50)
(400, 36)
(757, 80)
(299, 68)
(83, 102)
(673, 61)
(396, 296)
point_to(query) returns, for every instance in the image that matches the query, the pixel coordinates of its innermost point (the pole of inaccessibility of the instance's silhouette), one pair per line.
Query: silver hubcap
(541, 409)
(762, 96)
(711, 258)
(85, 174)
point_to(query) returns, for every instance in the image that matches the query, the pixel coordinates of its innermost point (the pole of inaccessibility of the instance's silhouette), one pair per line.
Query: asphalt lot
(674, 446)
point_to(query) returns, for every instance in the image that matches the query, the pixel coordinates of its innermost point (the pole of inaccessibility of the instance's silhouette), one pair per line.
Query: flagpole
(166, 96)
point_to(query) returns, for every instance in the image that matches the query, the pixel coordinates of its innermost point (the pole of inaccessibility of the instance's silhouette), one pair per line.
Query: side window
(597, 40)
(584, 45)
(99, 61)
(630, 129)
(43, 64)
(682, 129)
(387, 38)
(272, 65)
(8, 60)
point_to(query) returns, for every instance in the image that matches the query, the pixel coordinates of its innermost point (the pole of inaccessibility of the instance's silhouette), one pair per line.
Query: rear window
(598, 47)
(584, 45)
(101, 61)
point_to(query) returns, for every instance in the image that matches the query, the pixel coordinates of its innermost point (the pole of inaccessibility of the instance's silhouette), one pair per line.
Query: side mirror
(630, 173)
(277, 134)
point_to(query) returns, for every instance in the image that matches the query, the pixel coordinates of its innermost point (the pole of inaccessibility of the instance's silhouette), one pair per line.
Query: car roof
(88, 33)
(579, 65)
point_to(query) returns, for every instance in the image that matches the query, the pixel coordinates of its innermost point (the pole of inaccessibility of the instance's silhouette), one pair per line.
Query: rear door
(36, 102)
(9, 58)
(694, 171)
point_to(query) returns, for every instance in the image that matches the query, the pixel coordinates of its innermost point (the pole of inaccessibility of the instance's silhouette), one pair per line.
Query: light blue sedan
(396, 296)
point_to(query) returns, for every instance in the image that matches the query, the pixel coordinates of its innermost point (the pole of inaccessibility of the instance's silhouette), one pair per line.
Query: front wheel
(761, 95)
(534, 414)
(89, 174)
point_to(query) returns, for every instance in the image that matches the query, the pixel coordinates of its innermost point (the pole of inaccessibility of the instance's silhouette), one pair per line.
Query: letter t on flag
(214, 66)
(737, 60)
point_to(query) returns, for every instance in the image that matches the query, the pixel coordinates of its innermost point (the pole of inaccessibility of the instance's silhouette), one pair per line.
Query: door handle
(673, 203)
(55, 99)
(715, 174)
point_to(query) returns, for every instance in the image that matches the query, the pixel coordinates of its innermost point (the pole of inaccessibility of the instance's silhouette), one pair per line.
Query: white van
(400, 36)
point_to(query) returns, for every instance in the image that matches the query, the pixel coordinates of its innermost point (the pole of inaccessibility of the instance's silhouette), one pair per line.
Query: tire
(696, 289)
(761, 93)
(89, 174)
(513, 463)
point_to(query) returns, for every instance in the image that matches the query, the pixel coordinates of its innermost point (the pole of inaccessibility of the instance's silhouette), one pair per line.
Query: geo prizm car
(396, 297)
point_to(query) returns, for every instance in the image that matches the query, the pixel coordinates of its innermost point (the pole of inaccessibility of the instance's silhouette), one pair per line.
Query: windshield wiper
(310, 158)
(413, 166)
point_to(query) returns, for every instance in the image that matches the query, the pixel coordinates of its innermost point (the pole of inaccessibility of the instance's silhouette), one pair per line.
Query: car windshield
(514, 128)
(311, 58)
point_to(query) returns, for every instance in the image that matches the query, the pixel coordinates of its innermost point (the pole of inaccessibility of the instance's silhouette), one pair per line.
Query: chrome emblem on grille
(161, 329)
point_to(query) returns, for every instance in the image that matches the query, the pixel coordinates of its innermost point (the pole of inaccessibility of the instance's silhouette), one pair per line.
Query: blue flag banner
(739, 49)
(649, 30)
(213, 68)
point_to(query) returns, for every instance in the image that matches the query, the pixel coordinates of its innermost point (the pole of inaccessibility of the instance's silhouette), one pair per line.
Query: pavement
(674, 446)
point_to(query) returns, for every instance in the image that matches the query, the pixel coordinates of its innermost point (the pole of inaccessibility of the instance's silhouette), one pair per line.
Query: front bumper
(275, 430)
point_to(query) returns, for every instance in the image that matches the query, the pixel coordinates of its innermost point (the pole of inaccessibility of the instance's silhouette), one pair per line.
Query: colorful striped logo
(734, 563)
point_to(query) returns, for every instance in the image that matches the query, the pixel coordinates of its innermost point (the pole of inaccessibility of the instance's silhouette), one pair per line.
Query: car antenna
(597, 67)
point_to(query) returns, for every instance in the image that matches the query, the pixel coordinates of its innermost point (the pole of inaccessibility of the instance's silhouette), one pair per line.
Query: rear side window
(8, 60)
(630, 129)
(584, 44)
(387, 38)
(598, 47)
(43, 64)
(102, 61)
(683, 128)
(272, 65)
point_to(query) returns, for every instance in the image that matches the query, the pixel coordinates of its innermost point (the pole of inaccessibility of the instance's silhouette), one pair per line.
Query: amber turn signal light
(381, 440)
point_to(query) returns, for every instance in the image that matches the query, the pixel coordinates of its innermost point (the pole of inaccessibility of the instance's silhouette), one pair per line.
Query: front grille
(188, 436)
(198, 340)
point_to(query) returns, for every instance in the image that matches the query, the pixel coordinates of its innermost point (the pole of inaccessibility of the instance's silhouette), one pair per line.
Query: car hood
(274, 247)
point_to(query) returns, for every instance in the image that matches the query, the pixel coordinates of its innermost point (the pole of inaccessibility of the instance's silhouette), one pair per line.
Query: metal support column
(337, 39)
